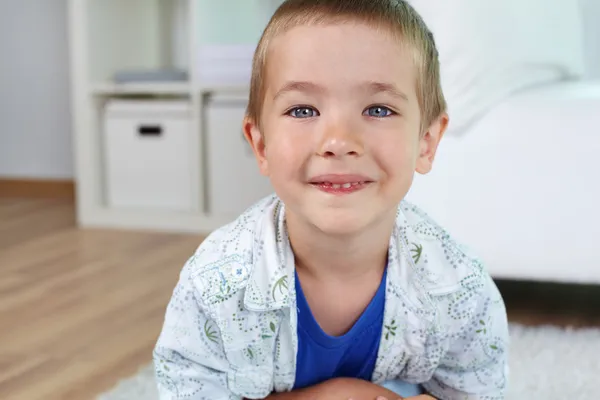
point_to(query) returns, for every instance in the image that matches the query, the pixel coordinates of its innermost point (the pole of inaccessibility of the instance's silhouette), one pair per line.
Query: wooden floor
(81, 309)
(78, 309)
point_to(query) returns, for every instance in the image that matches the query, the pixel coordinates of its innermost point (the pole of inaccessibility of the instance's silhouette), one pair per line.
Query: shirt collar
(271, 283)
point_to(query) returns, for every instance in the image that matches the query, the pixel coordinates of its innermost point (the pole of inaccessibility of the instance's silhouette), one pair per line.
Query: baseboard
(37, 188)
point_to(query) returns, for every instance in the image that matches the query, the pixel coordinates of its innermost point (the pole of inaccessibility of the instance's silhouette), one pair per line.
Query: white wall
(35, 137)
(220, 24)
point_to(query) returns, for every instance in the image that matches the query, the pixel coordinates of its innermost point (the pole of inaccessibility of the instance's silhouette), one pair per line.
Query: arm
(476, 365)
(189, 358)
(190, 362)
(340, 389)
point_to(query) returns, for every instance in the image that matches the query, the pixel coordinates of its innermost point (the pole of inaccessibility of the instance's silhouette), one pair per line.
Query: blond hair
(397, 16)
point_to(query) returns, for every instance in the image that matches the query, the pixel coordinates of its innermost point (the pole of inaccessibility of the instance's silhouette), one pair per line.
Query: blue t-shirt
(322, 357)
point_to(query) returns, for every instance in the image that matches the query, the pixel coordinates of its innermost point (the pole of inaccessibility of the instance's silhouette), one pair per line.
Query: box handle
(150, 130)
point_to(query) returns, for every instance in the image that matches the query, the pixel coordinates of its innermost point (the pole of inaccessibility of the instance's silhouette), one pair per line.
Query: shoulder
(437, 250)
(455, 276)
(221, 266)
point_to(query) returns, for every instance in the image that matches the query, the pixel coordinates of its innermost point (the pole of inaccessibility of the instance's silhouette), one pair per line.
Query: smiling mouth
(340, 188)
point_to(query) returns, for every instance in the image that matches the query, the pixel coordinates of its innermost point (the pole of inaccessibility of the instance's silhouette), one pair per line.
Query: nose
(340, 140)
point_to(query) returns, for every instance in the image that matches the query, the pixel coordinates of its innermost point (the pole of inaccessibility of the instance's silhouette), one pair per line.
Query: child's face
(341, 110)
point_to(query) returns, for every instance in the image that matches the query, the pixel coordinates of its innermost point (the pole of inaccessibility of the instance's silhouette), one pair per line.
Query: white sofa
(518, 180)
(522, 186)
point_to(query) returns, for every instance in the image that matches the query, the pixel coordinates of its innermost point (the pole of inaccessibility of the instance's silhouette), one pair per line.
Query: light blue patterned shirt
(230, 330)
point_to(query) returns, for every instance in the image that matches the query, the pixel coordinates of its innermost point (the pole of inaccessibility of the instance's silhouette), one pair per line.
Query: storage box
(233, 180)
(147, 158)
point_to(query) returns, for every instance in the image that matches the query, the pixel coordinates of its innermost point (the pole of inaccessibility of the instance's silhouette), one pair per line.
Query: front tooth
(346, 185)
(336, 185)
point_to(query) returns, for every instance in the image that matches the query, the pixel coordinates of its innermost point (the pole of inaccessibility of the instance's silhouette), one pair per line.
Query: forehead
(340, 54)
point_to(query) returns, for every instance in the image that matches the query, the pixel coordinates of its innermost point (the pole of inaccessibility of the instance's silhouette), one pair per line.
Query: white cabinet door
(233, 180)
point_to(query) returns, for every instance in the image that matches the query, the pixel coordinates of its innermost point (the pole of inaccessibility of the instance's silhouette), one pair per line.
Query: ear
(428, 144)
(256, 141)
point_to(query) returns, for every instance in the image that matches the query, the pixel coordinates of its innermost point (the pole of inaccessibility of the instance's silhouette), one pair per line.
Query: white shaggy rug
(545, 363)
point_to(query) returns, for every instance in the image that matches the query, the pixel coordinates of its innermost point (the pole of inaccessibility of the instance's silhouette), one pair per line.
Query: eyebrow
(298, 86)
(370, 87)
(381, 87)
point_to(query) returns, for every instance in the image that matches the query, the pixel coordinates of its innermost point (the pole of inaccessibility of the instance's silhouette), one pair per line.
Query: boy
(335, 287)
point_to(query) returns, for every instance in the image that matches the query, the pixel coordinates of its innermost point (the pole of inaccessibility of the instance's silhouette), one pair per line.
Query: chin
(341, 223)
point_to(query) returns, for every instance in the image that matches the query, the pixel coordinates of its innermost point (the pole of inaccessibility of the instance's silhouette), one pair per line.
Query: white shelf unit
(107, 36)
(111, 89)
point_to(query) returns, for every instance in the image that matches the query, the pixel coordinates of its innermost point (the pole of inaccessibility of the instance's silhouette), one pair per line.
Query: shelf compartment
(137, 35)
(150, 88)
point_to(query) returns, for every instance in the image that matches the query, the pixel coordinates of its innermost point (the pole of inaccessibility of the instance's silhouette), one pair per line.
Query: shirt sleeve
(476, 364)
(189, 359)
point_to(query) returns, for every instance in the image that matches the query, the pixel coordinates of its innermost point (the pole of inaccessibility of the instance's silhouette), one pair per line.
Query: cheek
(397, 157)
(285, 154)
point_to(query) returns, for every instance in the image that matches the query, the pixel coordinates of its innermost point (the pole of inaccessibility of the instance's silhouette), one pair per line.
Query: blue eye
(303, 112)
(378, 111)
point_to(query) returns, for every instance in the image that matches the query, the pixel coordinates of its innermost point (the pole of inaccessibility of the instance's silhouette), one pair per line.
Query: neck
(340, 256)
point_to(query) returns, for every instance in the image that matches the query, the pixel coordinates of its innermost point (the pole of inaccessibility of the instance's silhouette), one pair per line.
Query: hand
(343, 389)
(421, 397)
(353, 389)
(338, 389)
